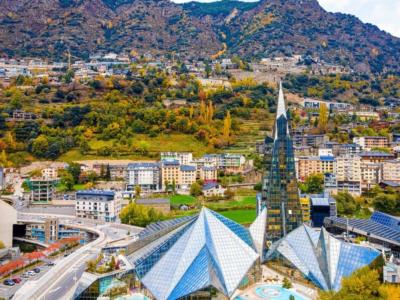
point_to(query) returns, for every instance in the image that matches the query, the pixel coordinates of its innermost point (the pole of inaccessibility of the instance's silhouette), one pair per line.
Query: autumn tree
(227, 128)
(323, 118)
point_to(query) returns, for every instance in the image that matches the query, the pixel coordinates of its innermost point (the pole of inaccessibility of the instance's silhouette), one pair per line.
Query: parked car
(25, 275)
(50, 264)
(9, 282)
(36, 270)
(17, 280)
(31, 273)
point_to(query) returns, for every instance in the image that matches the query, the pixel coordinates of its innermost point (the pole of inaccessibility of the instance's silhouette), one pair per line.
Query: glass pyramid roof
(211, 251)
(320, 257)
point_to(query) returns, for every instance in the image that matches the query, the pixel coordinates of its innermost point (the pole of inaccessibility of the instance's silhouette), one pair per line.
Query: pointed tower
(280, 192)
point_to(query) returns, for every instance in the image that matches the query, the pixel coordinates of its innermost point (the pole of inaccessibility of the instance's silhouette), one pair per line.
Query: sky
(383, 13)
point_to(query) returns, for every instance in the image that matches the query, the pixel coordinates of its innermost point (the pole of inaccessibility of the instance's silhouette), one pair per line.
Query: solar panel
(370, 227)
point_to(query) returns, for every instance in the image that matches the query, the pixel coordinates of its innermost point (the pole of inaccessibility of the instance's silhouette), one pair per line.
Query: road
(58, 281)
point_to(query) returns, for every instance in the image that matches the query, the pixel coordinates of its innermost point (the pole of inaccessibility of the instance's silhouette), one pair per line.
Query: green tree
(287, 284)
(314, 184)
(68, 181)
(75, 170)
(195, 189)
(40, 146)
(389, 203)
(139, 215)
(346, 204)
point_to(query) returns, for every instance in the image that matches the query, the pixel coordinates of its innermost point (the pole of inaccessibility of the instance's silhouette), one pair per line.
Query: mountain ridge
(49, 28)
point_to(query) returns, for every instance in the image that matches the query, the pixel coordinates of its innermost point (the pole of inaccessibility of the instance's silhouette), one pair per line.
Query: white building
(145, 175)
(184, 158)
(97, 205)
(49, 173)
(391, 170)
(7, 220)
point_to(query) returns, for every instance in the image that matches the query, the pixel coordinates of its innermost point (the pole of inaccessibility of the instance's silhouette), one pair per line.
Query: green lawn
(242, 216)
(182, 199)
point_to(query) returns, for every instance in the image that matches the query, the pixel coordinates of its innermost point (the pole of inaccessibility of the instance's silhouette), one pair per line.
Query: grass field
(163, 142)
(242, 216)
(182, 199)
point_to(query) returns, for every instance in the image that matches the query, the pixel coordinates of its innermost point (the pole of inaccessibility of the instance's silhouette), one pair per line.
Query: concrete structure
(7, 220)
(370, 142)
(97, 205)
(48, 230)
(391, 171)
(145, 175)
(160, 204)
(187, 176)
(42, 189)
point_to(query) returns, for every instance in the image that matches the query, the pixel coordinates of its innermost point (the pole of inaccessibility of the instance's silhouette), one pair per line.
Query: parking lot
(7, 291)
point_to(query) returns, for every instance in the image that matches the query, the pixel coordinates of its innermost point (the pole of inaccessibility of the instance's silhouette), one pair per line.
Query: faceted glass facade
(320, 257)
(280, 192)
(202, 252)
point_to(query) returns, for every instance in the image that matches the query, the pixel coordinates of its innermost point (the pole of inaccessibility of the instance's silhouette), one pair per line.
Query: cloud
(383, 13)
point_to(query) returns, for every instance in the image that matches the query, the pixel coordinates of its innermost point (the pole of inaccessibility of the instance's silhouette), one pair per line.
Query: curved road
(58, 282)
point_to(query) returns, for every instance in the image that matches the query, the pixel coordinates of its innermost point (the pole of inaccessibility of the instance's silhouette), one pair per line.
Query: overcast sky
(383, 13)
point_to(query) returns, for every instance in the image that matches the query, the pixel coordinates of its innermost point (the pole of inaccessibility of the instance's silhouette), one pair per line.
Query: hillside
(269, 27)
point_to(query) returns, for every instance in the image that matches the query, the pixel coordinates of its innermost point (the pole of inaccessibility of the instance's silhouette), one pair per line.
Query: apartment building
(231, 163)
(314, 165)
(376, 157)
(370, 142)
(145, 175)
(348, 168)
(184, 158)
(187, 176)
(208, 174)
(97, 205)
(170, 172)
(391, 170)
(371, 175)
(312, 140)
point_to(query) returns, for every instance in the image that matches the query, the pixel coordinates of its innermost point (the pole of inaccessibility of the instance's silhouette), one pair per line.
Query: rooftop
(95, 193)
(153, 201)
(180, 257)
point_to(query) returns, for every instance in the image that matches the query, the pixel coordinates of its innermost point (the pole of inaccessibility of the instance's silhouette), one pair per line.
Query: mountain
(252, 30)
